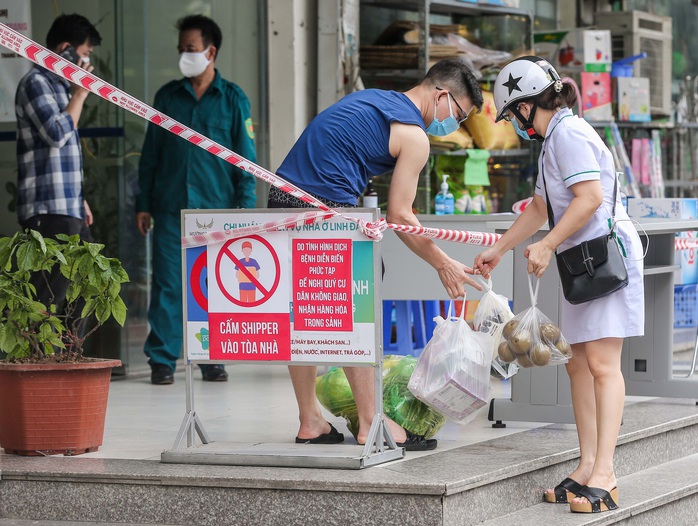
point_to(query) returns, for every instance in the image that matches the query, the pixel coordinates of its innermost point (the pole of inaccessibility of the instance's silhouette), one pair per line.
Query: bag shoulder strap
(551, 217)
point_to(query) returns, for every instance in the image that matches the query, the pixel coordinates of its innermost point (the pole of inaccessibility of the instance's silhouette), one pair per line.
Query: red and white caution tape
(485, 239)
(306, 218)
(20, 44)
(459, 236)
(685, 243)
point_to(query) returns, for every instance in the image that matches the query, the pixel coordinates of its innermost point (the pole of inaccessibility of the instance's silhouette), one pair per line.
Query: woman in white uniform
(579, 177)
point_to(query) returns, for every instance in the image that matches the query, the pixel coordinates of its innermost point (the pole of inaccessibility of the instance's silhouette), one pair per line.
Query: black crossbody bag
(594, 268)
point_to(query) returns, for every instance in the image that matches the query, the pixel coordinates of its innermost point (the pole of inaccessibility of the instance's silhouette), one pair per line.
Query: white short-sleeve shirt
(573, 152)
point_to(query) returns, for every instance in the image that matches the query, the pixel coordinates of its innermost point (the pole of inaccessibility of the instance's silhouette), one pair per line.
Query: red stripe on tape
(106, 92)
(31, 51)
(87, 82)
(69, 71)
(50, 62)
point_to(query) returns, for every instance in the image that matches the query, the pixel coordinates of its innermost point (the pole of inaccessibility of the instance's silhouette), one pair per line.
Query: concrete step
(665, 494)
(461, 486)
(26, 522)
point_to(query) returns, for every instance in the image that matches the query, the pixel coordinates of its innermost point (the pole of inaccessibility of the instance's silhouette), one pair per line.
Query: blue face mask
(444, 127)
(521, 133)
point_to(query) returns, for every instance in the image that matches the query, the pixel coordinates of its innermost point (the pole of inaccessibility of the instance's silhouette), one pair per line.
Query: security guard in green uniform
(175, 174)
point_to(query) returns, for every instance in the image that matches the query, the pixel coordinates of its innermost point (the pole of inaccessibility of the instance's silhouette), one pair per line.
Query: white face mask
(193, 64)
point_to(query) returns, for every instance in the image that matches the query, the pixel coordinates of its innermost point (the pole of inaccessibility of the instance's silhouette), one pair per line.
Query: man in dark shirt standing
(175, 175)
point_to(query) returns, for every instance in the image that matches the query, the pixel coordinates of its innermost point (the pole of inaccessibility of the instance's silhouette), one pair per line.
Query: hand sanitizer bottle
(444, 202)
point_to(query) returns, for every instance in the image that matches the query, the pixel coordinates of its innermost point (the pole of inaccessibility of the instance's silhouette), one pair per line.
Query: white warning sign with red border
(305, 294)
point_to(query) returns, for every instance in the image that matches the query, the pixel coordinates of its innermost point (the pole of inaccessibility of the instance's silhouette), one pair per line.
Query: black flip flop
(417, 442)
(333, 437)
(563, 491)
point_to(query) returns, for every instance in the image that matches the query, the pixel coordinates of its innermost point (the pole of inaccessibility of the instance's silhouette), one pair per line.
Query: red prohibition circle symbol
(195, 281)
(266, 294)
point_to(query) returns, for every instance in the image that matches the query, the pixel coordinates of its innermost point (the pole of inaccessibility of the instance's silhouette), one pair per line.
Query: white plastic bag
(531, 339)
(491, 315)
(452, 374)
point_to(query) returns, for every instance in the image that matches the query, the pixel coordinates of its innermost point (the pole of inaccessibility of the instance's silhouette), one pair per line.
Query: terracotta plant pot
(48, 409)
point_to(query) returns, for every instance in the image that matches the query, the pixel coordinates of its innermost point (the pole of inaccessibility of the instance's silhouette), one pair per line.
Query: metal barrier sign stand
(306, 295)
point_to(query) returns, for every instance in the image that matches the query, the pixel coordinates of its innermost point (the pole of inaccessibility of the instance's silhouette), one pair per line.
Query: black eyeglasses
(462, 112)
(507, 117)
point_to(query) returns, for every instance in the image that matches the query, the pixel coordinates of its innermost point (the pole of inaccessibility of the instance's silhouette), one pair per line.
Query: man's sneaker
(161, 374)
(214, 373)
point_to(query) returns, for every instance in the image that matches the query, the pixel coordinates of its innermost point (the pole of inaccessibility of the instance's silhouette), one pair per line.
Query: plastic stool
(413, 326)
(432, 309)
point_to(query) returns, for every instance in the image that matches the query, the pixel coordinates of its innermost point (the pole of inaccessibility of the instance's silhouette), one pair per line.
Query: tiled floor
(256, 405)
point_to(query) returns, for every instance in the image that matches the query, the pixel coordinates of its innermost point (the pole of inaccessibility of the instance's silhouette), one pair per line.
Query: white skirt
(618, 315)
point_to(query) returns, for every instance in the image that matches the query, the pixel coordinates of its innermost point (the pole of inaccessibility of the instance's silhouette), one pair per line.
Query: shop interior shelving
(444, 11)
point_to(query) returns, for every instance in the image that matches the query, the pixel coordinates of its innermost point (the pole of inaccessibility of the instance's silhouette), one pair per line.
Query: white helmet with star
(521, 79)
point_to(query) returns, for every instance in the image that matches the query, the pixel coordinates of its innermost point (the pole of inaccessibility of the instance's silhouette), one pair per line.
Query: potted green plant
(52, 398)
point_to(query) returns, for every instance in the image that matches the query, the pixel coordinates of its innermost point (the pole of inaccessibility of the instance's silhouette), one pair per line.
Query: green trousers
(164, 342)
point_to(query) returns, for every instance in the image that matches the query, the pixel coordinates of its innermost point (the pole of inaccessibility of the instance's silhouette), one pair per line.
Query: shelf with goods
(487, 25)
(385, 64)
(678, 146)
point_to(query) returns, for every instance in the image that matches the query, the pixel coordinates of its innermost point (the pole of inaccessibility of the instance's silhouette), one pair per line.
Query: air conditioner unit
(635, 32)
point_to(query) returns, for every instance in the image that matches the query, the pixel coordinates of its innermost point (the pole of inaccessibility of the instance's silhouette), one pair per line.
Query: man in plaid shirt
(49, 157)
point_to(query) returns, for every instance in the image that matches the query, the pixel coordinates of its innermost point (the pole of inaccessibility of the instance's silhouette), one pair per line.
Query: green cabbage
(399, 403)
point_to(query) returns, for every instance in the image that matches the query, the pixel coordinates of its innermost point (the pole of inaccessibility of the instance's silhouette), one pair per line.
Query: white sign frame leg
(380, 445)
(192, 423)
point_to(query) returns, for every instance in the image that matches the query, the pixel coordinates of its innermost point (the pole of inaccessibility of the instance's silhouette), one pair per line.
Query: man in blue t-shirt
(365, 134)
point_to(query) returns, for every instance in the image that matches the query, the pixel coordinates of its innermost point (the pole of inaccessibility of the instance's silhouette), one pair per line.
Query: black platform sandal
(565, 491)
(599, 500)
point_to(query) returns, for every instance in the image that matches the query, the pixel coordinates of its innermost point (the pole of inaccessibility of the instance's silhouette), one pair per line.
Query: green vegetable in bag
(399, 404)
(334, 393)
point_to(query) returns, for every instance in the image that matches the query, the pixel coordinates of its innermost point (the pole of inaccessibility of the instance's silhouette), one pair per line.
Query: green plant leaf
(45, 330)
(102, 311)
(114, 288)
(89, 308)
(118, 271)
(55, 341)
(73, 292)
(39, 238)
(8, 339)
(6, 251)
(95, 248)
(74, 239)
(27, 326)
(118, 310)
(26, 257)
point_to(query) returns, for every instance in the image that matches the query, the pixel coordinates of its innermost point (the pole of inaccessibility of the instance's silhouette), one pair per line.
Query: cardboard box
(596, 96)
(634, 99)
(670, 208)
(575, 50)
(665, 208)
